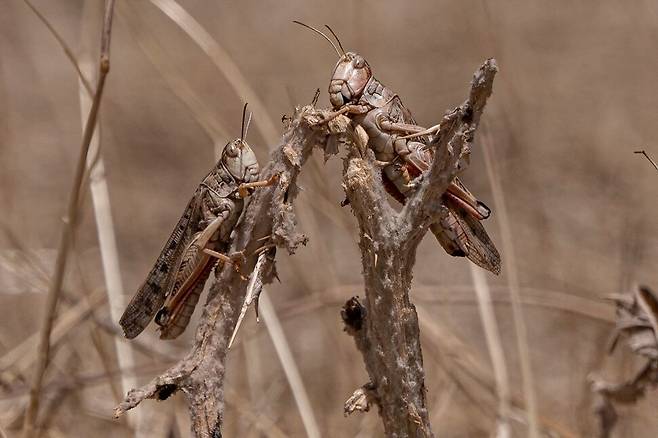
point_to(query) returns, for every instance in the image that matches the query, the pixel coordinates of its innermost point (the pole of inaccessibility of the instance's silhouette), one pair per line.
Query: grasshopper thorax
(240, 161)
(349, 79)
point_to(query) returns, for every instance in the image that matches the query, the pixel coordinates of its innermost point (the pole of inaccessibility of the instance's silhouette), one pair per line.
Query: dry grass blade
(100, 197)
(513, 284)
(462, 365)
(495, 347)
(289, 366)
(262, 422)
(643, 152)
(176, 81)
(222, 61)
(444, 402)
(20, 358)
(67, 50)
(37, 271)
(183, 423)
(67, 231)
(106, 360)
(459, 295)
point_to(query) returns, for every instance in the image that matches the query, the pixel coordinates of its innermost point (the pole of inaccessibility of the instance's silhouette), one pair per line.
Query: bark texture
(200, 375)
(385, 328)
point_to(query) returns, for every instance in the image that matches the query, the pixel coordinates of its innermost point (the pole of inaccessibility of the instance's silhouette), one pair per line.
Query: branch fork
(385, 327)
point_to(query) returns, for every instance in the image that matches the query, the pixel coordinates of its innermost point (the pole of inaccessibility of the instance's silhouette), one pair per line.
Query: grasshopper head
(350, 75)
(240, 161)
(349, 79)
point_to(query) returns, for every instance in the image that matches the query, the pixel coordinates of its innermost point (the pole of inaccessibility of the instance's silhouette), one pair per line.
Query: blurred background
(575, 96)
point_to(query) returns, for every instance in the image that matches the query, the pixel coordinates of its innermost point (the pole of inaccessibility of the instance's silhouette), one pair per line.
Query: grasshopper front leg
(346, 109)
(243, 189)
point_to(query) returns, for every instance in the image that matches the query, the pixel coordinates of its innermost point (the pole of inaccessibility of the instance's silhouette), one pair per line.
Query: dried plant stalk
(386, 328)
(289, 366)
(100, 197)
(222, 60)
(67, 50)
(512, 275)
(177, 82)
(200, 375)
(67, 230)
(496, 352)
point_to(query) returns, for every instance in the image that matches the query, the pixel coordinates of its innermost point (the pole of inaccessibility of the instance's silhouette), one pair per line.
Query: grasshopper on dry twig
(199, 241)
(404, 150)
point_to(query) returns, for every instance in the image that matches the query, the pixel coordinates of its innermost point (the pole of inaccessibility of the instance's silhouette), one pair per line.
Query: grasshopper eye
(231, 150)
(358, 62)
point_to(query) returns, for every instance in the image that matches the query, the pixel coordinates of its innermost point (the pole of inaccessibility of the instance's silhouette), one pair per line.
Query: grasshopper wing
(460, 234)
(151, 295)
(481, 250)
(187, 283)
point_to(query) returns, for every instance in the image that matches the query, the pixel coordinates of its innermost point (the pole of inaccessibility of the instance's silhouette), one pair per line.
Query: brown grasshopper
(401, 147)
(197, 244)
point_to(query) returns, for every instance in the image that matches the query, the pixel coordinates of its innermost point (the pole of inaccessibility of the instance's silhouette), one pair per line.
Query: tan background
(575, 96)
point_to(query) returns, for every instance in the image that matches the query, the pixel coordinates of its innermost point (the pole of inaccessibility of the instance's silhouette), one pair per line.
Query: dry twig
(200, 375)
(67, 230)
(386, 329)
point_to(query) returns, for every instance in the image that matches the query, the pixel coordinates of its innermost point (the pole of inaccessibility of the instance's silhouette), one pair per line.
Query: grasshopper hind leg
(173, 321)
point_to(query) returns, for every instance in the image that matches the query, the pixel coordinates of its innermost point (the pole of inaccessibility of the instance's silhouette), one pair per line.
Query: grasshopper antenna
(323, 35)
(335, 36)
(246, 128)
(243, 130)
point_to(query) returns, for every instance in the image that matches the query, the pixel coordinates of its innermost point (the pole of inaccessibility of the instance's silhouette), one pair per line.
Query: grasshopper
(401, 147)
(197, 244)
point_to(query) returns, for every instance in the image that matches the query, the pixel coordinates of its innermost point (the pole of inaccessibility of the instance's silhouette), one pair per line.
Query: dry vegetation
(574, 207)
